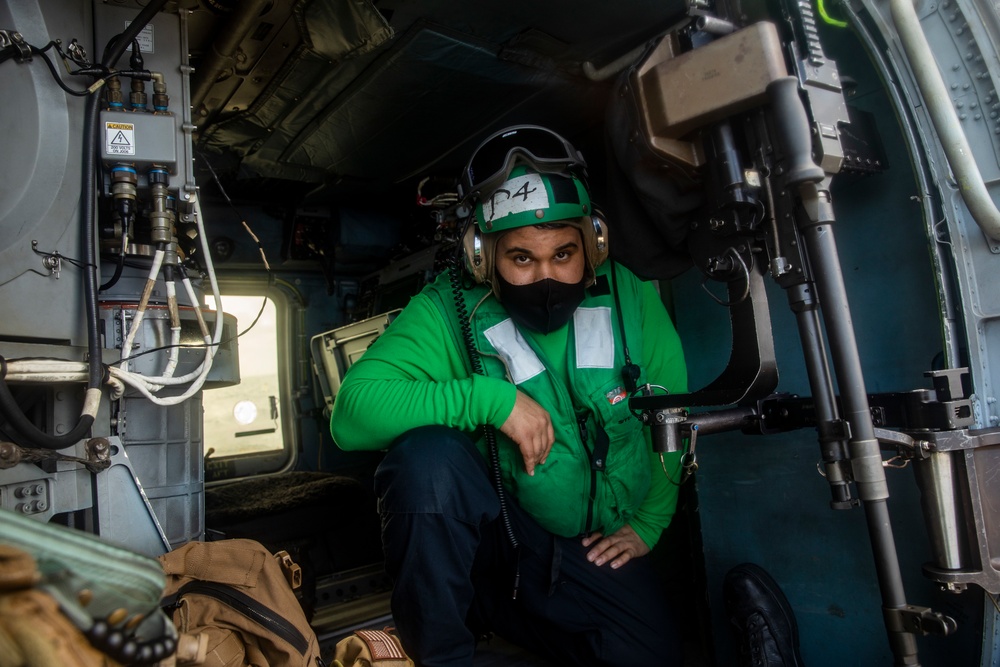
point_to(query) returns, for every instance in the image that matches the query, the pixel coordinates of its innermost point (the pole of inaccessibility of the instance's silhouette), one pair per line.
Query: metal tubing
(890, 582)
(614, 67)
(866, 459)
(937, 479)
(719, 421)
(714, 25)
(945, 119)
(803, 302)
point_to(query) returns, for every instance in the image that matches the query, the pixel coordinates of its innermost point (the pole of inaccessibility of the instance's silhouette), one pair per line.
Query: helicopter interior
(320, 141)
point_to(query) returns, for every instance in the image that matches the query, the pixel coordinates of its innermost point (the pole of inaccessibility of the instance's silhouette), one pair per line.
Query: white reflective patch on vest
(595, 340)
(522, 362)
(524, 193)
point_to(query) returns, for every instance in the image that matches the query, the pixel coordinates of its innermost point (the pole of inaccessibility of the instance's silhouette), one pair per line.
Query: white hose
(57, 371)
(175, 331)
(148, 385)
(210, 270)
(140, 311)
(939, 106)
(142, 384)
(197, 310)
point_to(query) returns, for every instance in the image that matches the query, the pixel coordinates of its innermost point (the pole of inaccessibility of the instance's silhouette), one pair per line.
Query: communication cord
(455, 276)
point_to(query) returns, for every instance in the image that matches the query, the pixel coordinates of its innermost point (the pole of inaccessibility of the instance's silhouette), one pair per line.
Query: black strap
(253, 609)
(630, 371)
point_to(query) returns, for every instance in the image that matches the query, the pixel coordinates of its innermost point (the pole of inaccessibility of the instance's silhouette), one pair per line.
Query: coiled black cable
(489, 432)
(30, 434)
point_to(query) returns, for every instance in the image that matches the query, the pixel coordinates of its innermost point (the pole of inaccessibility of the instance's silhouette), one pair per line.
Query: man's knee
(434, 469)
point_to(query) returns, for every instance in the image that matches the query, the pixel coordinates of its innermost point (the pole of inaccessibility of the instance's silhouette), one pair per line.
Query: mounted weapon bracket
(765, 145)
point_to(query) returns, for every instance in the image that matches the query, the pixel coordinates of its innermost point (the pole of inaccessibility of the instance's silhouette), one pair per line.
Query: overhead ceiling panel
(434, 79)
(435, 89)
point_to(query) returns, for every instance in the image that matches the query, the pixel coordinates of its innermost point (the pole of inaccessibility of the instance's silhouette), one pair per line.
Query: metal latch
(919, 620)
(13, 38)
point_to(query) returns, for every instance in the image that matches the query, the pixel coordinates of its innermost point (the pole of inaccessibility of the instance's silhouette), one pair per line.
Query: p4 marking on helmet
(530, 198)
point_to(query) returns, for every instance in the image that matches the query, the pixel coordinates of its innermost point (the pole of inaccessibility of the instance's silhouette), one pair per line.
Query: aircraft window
(244, 418)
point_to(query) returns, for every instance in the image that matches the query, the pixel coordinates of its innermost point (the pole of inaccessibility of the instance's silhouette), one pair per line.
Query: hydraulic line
(175, 321)
(944, 118)
(30, 433)
(140, 310)
(146, 385)
(189, 290)
(213, 345)
(119, 264)
(42, 371)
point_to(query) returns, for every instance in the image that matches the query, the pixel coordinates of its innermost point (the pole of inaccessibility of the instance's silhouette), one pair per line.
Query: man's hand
(620, 547)
(530, 426)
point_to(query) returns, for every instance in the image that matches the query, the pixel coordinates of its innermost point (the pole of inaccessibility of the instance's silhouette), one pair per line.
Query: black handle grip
(792, 128)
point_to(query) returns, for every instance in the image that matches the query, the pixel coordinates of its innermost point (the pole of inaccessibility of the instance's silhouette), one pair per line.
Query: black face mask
(541, 306)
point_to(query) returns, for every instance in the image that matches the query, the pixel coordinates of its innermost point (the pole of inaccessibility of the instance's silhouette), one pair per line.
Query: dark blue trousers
(453, 569)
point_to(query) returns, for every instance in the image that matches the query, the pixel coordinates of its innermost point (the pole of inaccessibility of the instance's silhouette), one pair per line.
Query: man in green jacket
(519, 493)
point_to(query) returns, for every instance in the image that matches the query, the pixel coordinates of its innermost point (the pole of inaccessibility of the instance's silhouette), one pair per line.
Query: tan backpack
(238, 601)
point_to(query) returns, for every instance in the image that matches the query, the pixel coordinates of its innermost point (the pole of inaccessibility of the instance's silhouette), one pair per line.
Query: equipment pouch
(370, 648)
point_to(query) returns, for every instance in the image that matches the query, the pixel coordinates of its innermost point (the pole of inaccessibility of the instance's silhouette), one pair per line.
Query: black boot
(761, 620)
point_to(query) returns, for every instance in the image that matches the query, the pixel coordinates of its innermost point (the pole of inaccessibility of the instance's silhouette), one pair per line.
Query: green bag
(111, 594)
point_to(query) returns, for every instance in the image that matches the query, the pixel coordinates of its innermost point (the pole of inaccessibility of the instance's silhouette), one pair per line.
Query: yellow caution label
(119, 138)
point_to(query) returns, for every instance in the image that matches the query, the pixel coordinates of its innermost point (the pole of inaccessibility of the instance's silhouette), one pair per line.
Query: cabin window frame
(288, 315)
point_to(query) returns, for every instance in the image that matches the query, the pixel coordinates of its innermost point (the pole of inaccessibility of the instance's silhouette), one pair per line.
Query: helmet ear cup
(479, 247)
(477, 260)
(595, 235)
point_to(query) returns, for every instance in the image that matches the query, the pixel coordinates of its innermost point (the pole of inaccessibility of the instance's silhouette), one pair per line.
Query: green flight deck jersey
(601, 472)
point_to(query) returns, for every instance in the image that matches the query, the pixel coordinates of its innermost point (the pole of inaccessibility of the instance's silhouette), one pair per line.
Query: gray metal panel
(964, 38)
(40, 183)
(164, 445)
(40, 178)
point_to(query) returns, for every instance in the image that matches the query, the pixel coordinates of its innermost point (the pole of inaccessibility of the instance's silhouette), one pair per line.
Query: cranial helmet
(538, 182)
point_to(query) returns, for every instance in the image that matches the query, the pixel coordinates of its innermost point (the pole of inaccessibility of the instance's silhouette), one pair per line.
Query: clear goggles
(536, 146)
